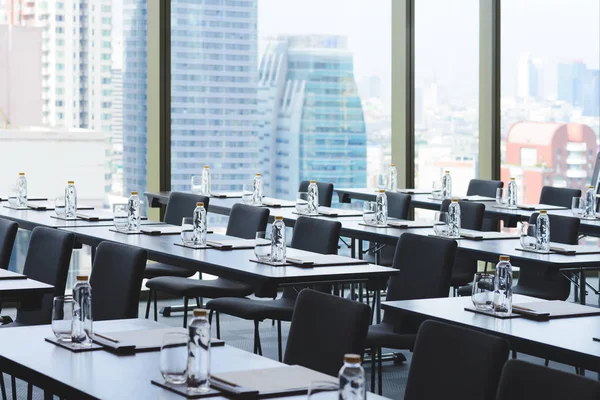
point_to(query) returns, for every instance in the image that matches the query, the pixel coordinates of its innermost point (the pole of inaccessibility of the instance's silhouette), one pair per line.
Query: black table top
(566, 340)
(103, 375)
(234, 264)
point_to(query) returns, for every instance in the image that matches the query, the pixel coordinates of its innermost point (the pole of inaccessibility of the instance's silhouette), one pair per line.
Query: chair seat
(279, 309)
(155, 270)
(191, 288)
(466, 290)
(383, 335)
(539, 293)
(460, 279)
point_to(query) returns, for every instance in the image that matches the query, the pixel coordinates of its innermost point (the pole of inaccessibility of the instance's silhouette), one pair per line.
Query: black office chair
(116, 281)
(471, 217)
(244, 222)
(486, 188)
(8, 233)
(325, 192)
(180, 205)
(310, 234)
(463, 361)
(48, 258)
(425, 265)
(323, 329)
(549, 283)
(558, 196)
(521, 380)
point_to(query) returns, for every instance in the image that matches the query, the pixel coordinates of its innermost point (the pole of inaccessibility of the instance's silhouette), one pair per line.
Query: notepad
(557, 309)
(226, 195)
(234, 244)
(407, 224)
(157, 230)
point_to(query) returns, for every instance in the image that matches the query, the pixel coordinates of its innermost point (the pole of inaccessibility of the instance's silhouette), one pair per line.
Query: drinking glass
(62, 315)
(302, 203)
(323, 390)
(436, 190)
(60, 206)
(500, 197)
(440, 224)
(187, 231)
(120, 217)
(196, 183)
(173, 357)
(262, 247)
(247, 193)
(12, 196)
(578, 206)
(528, 239)
(369, 209)
(483, 291)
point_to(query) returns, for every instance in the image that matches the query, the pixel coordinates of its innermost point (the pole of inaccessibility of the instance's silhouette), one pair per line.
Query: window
(550, 94)
(446, 92)
(292, 89)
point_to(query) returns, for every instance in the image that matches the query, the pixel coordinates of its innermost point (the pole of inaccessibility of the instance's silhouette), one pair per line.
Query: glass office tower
(311, 118)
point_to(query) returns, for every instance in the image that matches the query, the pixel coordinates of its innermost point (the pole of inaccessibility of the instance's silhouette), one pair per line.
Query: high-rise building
(571, 80)
(311, 118)
(213, 93)
(116, 134)
(529, 76)
(591, 101)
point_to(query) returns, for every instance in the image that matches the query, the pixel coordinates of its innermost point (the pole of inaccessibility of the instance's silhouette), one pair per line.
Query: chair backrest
(521, 380)
(471, 214)
(182, 205)
(323, 329)
(483, 187)
(398, 204)
(245, 221)
(48, 259)
(325, 192)
(466, 364)
(116, 281)
(8, 233)
(558, 196)
(316, 235)
(563, 229)
(425, 265)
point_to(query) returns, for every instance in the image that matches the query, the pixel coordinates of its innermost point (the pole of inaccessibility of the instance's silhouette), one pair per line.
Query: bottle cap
(70, 182)
(392, 165)
(21, 173)
(313, 181)
(543, 212)
(134, 193)
(512, 179)
(454, 200)
(200, 312)
(279, 218)
(446, 172)
(200, 204)
(206, 166)
(257, 174)
(82, 277)
(589, 187)
(504, 258)
(381, 190)
(352, 358)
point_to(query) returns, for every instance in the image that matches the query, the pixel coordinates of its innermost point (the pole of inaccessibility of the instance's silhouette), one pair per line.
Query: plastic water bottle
(278, 240)
(511, 196)
(257, 194)
(70, 200)
(503, 287)
(454, 222)
(446, 185)
(200, 224)
(542, 231)
(198, 371)
(381, 208)
(133, 213)
(313, 198)
(81, 324)
(590, 203)
(352, 379)
(205, 187)
(392, 181)
(21, 190)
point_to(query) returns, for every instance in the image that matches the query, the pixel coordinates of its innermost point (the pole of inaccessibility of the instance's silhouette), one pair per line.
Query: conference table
(104, 375)
(28, 293)
(566, 340)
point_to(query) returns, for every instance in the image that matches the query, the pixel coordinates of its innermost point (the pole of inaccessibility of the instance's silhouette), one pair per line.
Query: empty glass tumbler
(174, 357)
(482, 295)
(62, 317)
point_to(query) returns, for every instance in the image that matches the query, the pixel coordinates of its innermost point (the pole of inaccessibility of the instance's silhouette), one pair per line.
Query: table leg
(360, 249)
(377, 304)
(582, 287)
(352, 248)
